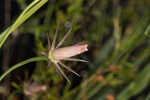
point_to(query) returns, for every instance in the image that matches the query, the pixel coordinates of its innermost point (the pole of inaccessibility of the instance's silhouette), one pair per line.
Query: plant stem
(35, 59)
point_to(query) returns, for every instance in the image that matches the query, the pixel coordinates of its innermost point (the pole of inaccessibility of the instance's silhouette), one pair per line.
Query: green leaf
(23, 63)
(136, 86)
(30, 10)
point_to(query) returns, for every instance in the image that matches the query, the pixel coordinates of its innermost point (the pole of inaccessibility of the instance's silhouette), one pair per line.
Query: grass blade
(35, 59)
(30, 10)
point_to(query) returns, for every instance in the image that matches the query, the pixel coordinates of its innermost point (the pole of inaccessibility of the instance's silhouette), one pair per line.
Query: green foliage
(141, 81)
(30, 10)
(118, 38)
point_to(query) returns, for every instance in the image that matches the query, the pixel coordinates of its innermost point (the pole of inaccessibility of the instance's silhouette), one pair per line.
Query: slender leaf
(23, 63)
(30, 10)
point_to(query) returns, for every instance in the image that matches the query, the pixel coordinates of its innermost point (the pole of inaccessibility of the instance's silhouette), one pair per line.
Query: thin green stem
(35, 59)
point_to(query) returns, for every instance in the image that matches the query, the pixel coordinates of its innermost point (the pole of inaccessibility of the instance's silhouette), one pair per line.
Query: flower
(32, 88)
(57, 54)
(67, 52)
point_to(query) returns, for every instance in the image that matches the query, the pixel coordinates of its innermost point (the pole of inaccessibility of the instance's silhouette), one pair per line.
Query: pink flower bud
(32, 88)
(67, 52)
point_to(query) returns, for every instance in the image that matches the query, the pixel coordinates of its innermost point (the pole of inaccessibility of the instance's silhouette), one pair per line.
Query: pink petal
(67, 52)
(31, 88)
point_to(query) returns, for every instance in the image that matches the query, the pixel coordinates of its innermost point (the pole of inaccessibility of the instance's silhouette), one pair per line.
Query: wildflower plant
(56, 54)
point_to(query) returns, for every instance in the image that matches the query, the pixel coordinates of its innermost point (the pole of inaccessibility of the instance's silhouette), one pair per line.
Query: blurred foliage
(117, 33)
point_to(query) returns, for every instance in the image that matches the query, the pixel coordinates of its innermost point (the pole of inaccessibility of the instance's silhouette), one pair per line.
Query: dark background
(118, 54)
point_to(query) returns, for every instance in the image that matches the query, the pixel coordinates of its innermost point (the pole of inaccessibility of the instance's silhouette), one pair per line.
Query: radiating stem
(48, 38)
(60, 70)
(64, 38)
(63, 65)
(74, 59)
(54, 40)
